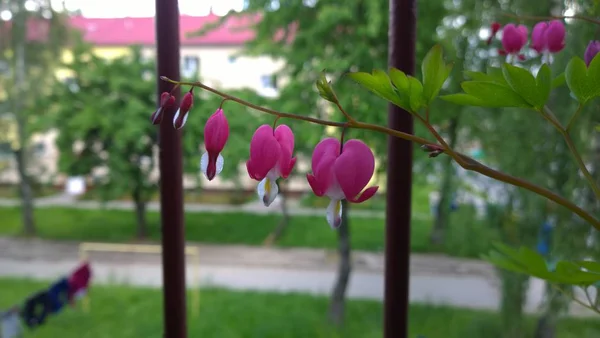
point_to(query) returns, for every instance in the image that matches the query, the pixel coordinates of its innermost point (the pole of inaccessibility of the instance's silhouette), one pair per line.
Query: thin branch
(577, 300)
(548, 115)
(464, 161)
(574, 117)
(559, 17)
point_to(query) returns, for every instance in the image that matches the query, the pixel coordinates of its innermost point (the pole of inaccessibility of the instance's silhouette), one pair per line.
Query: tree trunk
(26, 194)
(140, 214)
(17, 105)
(437, 235)
(283, 223)
(338, 295)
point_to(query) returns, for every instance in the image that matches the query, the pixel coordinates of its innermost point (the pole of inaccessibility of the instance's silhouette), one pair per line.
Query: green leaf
(492, 94)
(589, 265)
(416, 98)
(399, 80)
(583, 82)
(379, 84)
(325, 90)
(435, 72)
(522, 83)
(543, 82)
(463, 99)
(558, 81)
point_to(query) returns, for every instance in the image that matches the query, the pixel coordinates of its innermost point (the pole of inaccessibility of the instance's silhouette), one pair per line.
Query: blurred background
(79, 164)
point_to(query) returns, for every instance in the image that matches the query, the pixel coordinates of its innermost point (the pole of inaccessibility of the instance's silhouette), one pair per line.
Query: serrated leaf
(435, 73)
(492, 94)
(522, 83)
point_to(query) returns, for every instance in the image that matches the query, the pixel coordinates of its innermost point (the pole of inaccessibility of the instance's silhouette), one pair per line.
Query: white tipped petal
(267, 191)
(204, 163)
(175, 118)
(220, 163)
(334, 213)
(185, 117)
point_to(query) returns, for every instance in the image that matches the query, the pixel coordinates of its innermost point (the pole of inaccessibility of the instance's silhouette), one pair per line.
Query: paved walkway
(253, 207)
(434, 279)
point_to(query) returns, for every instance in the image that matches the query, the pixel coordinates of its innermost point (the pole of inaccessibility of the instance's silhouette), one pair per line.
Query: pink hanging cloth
(79, 281)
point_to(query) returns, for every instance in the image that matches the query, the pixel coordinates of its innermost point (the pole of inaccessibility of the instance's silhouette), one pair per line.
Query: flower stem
(464, 161)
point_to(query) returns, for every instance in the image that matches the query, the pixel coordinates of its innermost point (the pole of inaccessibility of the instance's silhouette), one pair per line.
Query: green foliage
(527, 261)
(534, 90)
(583, 82)
(325, 90)
(435, 72)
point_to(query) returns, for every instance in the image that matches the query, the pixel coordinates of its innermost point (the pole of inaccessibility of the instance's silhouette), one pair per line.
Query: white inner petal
(334, 213)
(185, 117)
(267, 191)
(204, 163)
(220, 162)
(175, 118)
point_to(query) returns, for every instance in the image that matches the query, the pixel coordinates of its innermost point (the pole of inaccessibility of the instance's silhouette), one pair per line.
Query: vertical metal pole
(171, 181)
(402, 36)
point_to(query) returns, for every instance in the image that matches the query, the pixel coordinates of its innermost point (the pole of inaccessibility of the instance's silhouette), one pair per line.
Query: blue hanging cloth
(36, 309)
(544, 239)
(59, 295)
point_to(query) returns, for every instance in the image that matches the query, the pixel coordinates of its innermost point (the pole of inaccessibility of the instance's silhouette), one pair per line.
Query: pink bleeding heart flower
(167, 101)
(341, 174)
(216, 133)
(514, 38)
(182, 113)
(548, 37)
(270, 158)
(592, 49)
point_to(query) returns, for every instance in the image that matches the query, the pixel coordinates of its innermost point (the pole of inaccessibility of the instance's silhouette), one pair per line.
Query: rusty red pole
(402, 36)
(171, 181)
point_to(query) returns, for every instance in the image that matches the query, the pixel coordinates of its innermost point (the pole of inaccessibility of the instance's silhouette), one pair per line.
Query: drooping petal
(354, 168)
(284, 135)
(365, 195)
(216, 132)
(315, 185)
(267, 191)
(210, 170)
(591, 51)
(538, 37)
(524, 31)
(555, 36)
(513, 38)
(181, 115)
(327, 147)
(334, 213)
(157, 116)
(264, 152)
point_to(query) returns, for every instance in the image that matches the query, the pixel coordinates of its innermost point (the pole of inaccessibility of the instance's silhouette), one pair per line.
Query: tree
(31, 44)
(103, 114)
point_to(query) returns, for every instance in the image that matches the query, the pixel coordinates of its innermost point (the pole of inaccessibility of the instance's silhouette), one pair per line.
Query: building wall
(218, 66)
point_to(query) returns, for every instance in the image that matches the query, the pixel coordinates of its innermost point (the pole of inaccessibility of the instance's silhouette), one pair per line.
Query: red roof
(141, 31)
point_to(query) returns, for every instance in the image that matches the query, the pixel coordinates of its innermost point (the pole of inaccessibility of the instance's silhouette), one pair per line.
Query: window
(191, 66)
(269, 81)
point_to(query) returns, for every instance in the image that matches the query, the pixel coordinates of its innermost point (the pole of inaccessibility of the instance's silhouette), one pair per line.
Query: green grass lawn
(127, 312)
(238, 228)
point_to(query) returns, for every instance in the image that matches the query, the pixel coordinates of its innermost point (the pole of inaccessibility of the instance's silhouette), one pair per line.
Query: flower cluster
(339, 171)
(546, 38)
